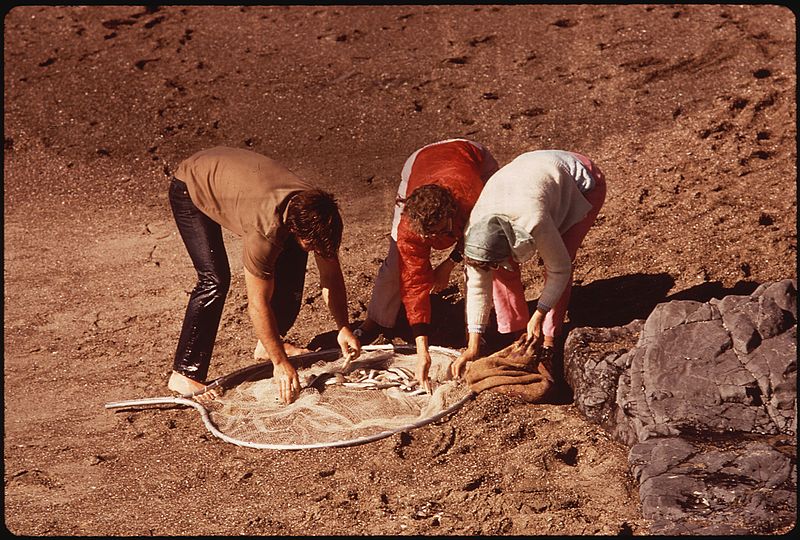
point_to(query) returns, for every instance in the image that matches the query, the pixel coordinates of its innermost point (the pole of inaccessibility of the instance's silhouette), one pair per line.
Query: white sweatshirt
(539, 195)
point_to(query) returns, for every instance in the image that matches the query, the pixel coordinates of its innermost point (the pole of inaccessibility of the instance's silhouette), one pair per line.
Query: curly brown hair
(313, 217)
(429, 205)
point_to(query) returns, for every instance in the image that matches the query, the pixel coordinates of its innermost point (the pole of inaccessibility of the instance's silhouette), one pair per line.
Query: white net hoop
(339, 405)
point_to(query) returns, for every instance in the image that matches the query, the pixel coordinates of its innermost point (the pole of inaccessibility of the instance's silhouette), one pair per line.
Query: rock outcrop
(704, 394)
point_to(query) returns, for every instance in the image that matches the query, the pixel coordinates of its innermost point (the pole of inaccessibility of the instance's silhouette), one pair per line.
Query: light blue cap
(488, 241)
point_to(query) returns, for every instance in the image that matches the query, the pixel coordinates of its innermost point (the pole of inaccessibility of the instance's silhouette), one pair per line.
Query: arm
(471, 353)
(556, 259)
(441, 277)
(416, 279)
(423, 362)
(478, 299)
(335, 296)
(479, 305)
(259, 293)
(558, 266)
(441, 274)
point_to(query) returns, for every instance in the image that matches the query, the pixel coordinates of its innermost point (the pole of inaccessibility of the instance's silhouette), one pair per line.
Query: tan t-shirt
(246, 193)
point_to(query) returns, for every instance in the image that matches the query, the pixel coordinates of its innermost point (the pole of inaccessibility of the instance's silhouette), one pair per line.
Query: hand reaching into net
(286, 380)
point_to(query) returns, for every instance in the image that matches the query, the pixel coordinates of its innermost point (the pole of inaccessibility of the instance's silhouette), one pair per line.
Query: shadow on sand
(618, 301)
(604, 303)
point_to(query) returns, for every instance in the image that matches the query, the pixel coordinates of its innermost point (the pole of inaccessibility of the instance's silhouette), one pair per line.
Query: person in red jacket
(439, 186)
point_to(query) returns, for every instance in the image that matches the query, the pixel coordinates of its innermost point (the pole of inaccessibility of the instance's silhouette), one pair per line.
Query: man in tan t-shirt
(280, 218)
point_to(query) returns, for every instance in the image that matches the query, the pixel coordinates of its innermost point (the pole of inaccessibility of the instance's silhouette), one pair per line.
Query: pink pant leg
(573, 237)
(508, 296)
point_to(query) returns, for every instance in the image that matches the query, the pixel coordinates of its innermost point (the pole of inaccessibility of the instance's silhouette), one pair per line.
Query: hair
(313, 216)
(428, 205)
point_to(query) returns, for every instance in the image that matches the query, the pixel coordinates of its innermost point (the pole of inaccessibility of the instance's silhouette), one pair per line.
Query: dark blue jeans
(203, 239)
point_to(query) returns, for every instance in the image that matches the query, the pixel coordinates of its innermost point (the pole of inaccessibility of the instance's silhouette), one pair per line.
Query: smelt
(399, 372)
(406, 372)
(357, 384)
(347, 359)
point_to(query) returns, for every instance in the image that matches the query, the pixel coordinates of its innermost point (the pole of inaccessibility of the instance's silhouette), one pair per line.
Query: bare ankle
(260, 352)
(183, 385)
(293, 350)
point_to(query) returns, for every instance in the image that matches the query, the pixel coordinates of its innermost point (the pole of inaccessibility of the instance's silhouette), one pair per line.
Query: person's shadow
(447, 328)
(714, 289)
(619, 300)
(604, 303)
(616, 301)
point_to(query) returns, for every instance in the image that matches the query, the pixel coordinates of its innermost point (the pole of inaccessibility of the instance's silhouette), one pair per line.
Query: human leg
(203, 240)
(290, 276)
(508, 296)
(384, 304)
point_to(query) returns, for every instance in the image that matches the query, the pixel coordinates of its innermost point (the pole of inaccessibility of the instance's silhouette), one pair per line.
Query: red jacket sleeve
(416, 277)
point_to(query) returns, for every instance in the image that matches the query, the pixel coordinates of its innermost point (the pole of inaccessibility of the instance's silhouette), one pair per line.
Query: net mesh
(372, 397)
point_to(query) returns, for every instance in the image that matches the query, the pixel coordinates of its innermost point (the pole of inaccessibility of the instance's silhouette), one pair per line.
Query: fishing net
(340, 403)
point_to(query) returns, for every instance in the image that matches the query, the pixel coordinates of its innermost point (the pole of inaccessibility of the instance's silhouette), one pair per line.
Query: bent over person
(439, 186)
(542, 202)
(280, 218)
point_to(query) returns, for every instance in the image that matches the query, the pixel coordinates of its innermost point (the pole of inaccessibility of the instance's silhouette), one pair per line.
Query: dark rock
(696, 391)
(594, 361)
(688, 489)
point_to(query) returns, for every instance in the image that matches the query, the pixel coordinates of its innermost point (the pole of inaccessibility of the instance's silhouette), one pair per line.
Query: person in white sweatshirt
(543, 202)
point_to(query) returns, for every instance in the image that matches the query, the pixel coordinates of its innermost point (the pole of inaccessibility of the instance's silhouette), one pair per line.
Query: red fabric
(455, 165)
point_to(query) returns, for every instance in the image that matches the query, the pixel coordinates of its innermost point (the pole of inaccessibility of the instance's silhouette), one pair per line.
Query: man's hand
(259, 293)
(441, 275)
(351, 347)
(287, 381)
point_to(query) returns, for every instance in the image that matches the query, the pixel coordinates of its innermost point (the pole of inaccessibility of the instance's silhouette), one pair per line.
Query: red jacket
(455, 165)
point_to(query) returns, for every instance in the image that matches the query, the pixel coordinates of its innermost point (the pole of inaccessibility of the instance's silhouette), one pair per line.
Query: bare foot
(260, 353)
(208, 396)
(184, 386)
(293, 350)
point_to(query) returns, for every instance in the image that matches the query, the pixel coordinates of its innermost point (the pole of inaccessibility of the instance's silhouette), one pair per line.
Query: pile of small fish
(371, 379)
